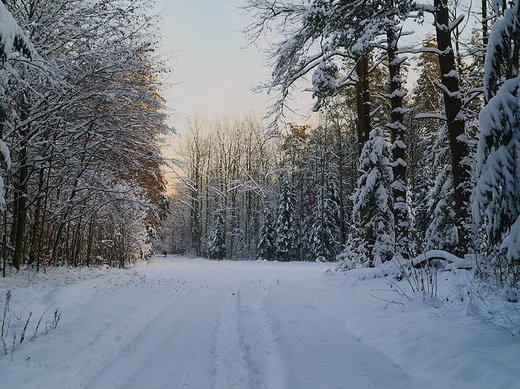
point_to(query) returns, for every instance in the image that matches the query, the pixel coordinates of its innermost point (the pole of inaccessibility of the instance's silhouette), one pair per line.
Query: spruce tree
(373, 206)
(325, 228)
(267, 244)
(217, 244)
(421, 152)
(496, 199)
(441, 233)
(285, 222)
(450, 83)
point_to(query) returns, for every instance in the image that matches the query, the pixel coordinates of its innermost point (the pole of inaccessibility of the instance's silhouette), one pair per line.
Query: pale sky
(213, 69)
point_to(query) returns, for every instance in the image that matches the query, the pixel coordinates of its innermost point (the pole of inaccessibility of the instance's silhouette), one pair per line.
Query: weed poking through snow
(15, 327)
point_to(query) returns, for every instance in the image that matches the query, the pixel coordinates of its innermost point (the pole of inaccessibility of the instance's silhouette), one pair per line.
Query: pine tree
(441, 232)
(421, 140)
(216, 241)
(373, 214)
(266, 247)
(325, 229)
(286, 239)
(450, 83)
(496, 200)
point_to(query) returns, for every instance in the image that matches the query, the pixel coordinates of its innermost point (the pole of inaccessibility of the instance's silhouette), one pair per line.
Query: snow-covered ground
(177, 323)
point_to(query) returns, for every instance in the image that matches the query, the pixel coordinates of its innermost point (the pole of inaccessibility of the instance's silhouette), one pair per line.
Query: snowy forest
(373, 242)
(80, 119)
(413, 145)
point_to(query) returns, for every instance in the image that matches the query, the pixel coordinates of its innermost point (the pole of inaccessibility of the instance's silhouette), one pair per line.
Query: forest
(372, 243)
(413, 146)
(81, 118)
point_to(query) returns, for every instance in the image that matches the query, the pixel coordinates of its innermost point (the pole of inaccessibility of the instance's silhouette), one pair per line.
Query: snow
(10, 33)
(4, 151)
(8, 30)
(438, 116)
(498, 49)
(176, 322)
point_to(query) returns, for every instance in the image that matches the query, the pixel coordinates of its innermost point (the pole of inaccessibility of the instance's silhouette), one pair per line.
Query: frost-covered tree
(285, 226)
(398, 131)
(320, 36)
(503, 48)
(441, 232)
(216, 241)
(267, 245)
(496, 201)
(436, 211)
(84, 120)
(325, 228)
(425, 99)
(13, 45)
(224, 164)
(338, 120)
(373, 214)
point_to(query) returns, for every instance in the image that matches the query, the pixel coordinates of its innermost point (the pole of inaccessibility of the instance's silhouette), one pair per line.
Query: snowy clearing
(192, 323)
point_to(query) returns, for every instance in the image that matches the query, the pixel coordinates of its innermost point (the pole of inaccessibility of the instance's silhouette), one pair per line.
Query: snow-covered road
(192, 323)
(237, 327)
(178, 323)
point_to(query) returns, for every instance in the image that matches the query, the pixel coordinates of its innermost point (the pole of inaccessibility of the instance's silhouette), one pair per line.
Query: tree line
(81, 119)
(386, 172)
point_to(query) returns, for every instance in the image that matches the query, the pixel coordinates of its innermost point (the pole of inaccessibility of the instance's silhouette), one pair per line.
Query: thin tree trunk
(363, 102)
(20, 207)
(363, 131)
(341, 187)
(485, 28)
(90, 239)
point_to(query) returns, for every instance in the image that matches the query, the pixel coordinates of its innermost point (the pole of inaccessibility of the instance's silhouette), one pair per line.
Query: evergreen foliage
(267, 244)
(285, 226)
(441, 233)
(373, 200)
(496, 199)
(216, 241)
(497, 194)
(325, 229)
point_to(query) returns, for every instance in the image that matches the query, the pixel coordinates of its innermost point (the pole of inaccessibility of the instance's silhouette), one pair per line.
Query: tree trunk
(363, 102)
(455, 124)
(341, 160)
(363, 129)
(20, 209)
(398, 131)
(485, 28)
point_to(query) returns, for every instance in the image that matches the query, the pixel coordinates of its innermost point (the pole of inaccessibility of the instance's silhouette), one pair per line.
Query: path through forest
(191, 323)
(244, 325)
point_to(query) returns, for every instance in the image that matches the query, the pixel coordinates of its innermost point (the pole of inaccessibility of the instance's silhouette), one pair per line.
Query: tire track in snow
(260, 340)
(275, 367)
(231, 367)
(153, 360)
